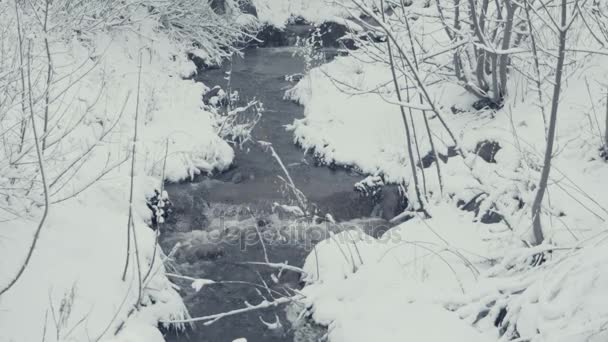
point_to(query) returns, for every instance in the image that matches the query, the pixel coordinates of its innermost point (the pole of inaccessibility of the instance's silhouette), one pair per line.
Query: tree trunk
(504, 57)
(544, 178)
(405, 123)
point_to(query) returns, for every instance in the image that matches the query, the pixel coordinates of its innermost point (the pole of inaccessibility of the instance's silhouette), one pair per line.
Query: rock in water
(237, 178)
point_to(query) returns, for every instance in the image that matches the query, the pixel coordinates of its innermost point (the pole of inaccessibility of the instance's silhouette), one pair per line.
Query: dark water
(216, 221)
(261, 74)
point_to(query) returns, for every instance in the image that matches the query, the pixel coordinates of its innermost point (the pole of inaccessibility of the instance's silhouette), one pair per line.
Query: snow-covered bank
(545, 293)
(118, 66)
(397, 288)
(279, 12)
(448, 279)
(351, 118)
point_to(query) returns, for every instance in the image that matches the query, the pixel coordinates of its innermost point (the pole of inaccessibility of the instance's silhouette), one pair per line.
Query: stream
(217, 221)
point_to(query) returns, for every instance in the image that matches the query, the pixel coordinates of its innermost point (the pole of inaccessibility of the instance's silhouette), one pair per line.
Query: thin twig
(44, 184)
(130, 224)
(210, 319)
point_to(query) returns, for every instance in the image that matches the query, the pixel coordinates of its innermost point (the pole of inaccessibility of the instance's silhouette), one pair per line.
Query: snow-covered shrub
(214, 36)
(39, 78)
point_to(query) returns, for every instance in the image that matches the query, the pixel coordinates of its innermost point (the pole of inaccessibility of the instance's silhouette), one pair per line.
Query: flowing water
(217, 220)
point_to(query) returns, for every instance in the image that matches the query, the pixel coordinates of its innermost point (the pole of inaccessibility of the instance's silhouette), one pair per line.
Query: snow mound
(402, 285)
(545, 294)
(279, 12)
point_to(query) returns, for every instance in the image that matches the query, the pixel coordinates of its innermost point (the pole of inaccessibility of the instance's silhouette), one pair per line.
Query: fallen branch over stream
(210, 319)
(279, 266)
(206, 282)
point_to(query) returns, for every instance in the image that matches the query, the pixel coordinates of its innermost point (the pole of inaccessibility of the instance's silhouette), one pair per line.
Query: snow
(428, 280)
(562, 300)
(279, 12)
(397, 287)
(198, 284)
(346, 123)
(333, 117)
(72, 290)
(450, 277)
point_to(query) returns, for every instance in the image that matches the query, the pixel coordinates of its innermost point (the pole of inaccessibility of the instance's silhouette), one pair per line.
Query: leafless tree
(563, 27)
(406, 125)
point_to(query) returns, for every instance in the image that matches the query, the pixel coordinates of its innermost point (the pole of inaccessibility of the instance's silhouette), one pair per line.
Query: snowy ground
(72, 288)
(410, 289)
(432, 280)
(278, 13)
(396, 288)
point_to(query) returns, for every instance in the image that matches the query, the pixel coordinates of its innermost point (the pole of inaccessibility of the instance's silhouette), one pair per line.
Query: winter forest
(303, 170)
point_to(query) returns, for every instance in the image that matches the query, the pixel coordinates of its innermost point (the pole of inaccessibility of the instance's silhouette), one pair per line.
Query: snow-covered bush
(40, 79)
(214, 36)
